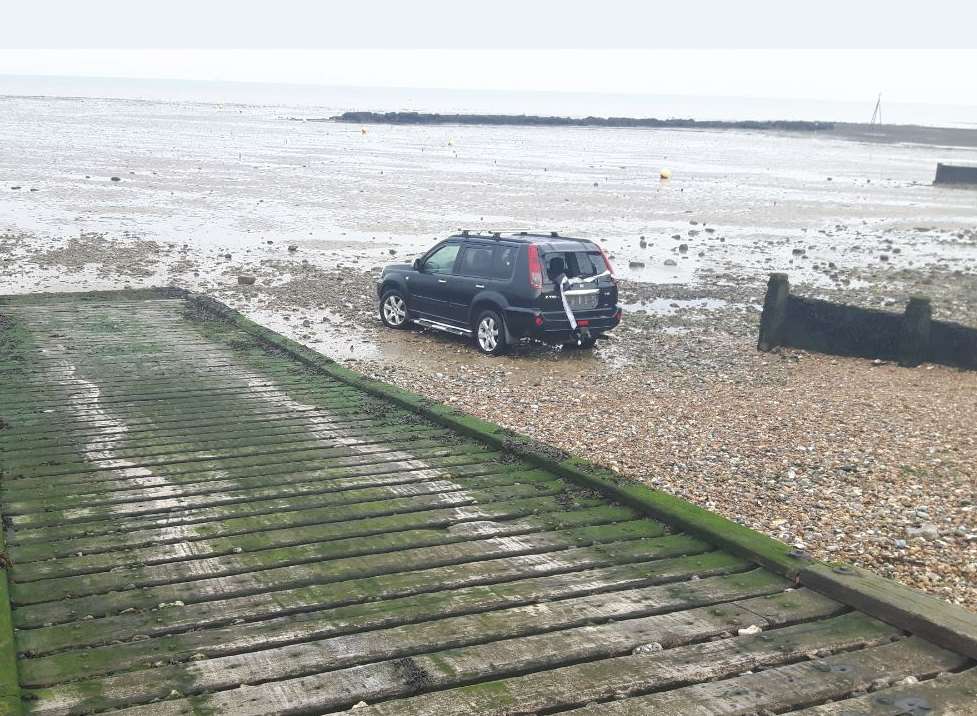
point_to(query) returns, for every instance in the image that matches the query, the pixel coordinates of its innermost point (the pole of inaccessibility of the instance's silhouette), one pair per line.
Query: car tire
(393, 309)
(583, 345)
(489, 334)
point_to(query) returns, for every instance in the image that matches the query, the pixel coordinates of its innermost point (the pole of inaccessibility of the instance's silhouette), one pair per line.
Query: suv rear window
(576, 263)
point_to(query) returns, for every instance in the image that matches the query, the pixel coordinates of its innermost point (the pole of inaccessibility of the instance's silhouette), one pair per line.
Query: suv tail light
(607, 261)
(535, 270)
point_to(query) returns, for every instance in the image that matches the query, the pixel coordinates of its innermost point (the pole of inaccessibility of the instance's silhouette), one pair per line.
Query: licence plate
(582, 300)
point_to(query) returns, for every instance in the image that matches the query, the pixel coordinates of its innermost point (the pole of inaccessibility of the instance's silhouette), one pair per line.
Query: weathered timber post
(914, 334)
(774, 312)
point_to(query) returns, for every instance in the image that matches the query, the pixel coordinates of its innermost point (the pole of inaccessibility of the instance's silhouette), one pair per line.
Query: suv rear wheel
(490, 333)
(393, 309)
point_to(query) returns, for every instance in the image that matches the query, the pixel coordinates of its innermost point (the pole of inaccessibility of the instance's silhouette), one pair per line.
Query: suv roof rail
(515, 232)
(498, 234)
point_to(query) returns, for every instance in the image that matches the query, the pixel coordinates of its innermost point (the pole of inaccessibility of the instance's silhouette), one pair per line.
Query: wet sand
(846, 457)
(908, 133)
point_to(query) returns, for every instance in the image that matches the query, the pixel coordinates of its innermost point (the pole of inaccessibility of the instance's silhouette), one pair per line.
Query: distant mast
(877, 114)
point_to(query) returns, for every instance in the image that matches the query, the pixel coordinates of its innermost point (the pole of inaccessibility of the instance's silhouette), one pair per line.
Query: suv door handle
(479, 285)
(442, 280)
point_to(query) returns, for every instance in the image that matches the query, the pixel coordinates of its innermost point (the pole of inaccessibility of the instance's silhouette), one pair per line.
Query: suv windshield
(574, 264)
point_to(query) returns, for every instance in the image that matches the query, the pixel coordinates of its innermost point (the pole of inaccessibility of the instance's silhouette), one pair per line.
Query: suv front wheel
(490, 333)
(393, 309)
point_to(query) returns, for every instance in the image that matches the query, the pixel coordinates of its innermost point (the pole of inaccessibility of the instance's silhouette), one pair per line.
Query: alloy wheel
(395, 310)
(488, 334)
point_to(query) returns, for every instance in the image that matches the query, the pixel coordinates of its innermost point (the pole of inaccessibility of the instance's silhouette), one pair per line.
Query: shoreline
(930, 135)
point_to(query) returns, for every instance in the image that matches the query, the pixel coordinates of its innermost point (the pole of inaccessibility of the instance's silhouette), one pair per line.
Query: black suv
(501, 288)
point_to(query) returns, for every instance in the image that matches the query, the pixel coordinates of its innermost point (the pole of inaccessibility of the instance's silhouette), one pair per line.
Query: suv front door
(431, 284)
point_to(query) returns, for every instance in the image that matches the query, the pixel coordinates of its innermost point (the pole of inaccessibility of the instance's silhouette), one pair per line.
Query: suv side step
(457, 330)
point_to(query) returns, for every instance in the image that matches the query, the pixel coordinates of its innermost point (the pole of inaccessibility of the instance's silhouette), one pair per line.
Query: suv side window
(442, 260)
(504, 261)
(477, 261)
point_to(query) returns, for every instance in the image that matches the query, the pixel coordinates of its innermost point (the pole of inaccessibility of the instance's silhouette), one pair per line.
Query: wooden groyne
(910, 338)
(955, 174)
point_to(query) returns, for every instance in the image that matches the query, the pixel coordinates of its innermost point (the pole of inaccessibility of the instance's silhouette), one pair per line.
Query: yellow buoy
(666, 174)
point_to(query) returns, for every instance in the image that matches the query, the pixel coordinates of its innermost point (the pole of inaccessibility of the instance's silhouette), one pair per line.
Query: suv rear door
(430, 286)
(483, 267)
(582, 262)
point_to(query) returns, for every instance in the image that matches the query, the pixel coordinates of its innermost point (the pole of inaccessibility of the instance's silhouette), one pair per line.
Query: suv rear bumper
(521, 323)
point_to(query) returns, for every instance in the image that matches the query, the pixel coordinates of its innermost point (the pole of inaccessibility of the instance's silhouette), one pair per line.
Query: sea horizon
(316, 100)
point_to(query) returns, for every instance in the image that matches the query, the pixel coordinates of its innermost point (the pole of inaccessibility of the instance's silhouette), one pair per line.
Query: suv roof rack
(512, 232)
(492, 232)
(522, 234)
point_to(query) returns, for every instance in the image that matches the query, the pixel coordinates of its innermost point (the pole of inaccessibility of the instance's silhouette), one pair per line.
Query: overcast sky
(852, 75)
(754, 49)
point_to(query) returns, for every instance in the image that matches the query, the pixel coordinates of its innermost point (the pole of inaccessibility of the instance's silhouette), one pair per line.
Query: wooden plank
(364, 501)
(497, 643)
(286, 478)
(283, 472)
(344, 452)
(947, 695)
(161, 368)
(292, 533)
(542, 690)
(786, 687)
(85, 399)
(484, 484)
(173, 464)
(40, 430)
(158, 486)
(68, 377)
(932, 618)
(42, 423)
(301, 547)
(74, 375)
(152, 509)
(290, 615)
(38, 606)
(375, 469)
(254, 501)
(157, 441)
(191, 404)
(195, 461)
(97, 453)
(15, 434)
(407, 614)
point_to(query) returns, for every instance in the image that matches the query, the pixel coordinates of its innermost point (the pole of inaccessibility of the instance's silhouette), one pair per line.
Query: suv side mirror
(417, 264)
